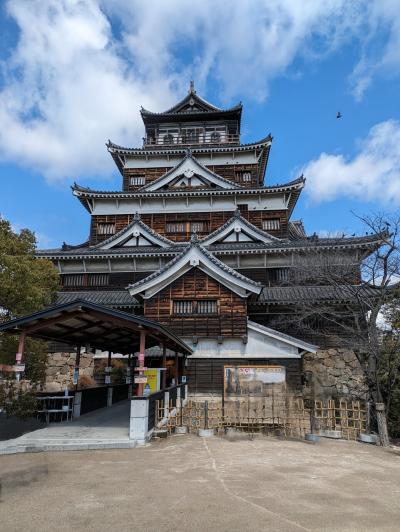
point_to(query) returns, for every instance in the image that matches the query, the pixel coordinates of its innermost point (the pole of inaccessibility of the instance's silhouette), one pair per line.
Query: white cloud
(380, 44)
(373, 174)
(81, 68)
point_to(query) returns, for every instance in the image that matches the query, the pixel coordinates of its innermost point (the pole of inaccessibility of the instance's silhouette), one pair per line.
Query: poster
(153, 379)
(251, 380)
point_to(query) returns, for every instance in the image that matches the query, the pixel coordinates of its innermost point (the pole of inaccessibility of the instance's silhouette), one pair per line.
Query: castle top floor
(192, 121)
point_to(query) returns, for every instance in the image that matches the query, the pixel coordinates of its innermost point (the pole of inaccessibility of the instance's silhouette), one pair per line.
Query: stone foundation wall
(60, 369)
(333, 373)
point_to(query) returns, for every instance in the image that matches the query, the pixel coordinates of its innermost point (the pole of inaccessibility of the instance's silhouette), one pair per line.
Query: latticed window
(198, 227)
(137, 180)
(176, 227)
(98, 279)
(272, 224)
(73, 280)
(105, 229)
(186, 227)
(85, 279)
(200, 306)
(245, 177)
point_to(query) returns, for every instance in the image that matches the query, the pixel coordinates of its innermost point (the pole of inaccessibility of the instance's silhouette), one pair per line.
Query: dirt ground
(186, 483)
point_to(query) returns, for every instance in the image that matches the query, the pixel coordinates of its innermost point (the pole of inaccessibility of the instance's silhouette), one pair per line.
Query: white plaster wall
(258, 346)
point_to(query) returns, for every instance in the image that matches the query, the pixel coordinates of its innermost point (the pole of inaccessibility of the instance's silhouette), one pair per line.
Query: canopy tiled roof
(108, 298)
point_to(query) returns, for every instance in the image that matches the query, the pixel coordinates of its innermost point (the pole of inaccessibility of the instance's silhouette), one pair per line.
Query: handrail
(192, 139)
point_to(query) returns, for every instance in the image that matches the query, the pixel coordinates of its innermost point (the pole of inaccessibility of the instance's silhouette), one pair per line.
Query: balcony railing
(169, 139)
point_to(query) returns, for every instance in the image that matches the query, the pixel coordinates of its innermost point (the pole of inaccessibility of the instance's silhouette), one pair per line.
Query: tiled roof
(108, 298)
(189, 157)
(138, 221)
(112, 147)
(195, 243)
(237, 216)
(297, 294)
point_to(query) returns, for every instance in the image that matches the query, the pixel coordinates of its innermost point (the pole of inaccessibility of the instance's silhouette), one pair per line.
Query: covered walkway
(101, 429)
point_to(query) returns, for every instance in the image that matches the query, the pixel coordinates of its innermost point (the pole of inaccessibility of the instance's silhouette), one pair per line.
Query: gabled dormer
(238, 229)
(136, 234)
(192, 256)
(190, 174)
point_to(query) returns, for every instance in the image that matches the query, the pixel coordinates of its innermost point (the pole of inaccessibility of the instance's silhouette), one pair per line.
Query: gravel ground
(187, 483)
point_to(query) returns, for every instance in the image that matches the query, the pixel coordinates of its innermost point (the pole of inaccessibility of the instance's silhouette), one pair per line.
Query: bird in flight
(339, 114)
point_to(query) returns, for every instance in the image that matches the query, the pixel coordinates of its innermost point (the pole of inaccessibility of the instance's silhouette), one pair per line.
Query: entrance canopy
(81, 323)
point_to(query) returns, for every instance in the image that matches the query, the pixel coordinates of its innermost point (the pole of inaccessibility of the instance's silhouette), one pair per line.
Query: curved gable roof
(195, 256)
(238, 224)
(189, 166)
(135, 229)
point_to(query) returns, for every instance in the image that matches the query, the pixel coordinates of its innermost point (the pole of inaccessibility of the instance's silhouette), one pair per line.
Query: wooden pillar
(142, 348)
(176, 368)
(164, 365)
(108, 369)
(20, 353)
(77, 363)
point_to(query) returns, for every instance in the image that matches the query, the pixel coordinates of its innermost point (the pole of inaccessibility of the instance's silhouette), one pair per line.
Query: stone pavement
(186, 483)
(104, 428)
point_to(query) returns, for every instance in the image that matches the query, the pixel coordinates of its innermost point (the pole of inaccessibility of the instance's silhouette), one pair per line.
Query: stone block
(53, 387)
(139, 408)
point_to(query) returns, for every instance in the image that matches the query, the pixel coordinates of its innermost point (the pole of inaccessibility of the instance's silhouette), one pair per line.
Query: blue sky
(293, 69)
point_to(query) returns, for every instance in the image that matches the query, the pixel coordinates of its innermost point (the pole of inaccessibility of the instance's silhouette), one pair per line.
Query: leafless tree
(359, 285)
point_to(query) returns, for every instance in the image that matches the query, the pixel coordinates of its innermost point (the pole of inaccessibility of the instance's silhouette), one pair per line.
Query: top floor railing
(190, 139)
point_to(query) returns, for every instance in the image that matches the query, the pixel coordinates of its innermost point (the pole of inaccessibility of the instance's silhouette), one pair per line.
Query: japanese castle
(197, 240)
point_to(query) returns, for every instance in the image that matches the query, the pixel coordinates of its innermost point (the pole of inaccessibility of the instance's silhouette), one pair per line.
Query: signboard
(140, 380)
(251, 380)
(153, 379)
(128, 380)
(107, 379)
(19, 367)
(75, 376)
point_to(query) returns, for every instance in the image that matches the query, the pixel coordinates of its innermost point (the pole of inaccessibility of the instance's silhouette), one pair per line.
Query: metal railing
(191, 139)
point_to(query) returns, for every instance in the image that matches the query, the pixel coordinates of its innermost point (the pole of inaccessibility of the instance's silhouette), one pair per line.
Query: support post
(176, 368)
(141, 361)
(164, 365)
(20, 353)
(76, 412)
(76, 369)
(129, 374)
(107, 376)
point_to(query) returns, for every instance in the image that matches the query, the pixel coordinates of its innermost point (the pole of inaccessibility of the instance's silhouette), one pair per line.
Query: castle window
(168, 139)
(105, 229)
(198, 227)
(245, 177)
(176, 227)
(186, 227)
(137, 180)
(216, 136)
(201, 306)
(271, 225)
(83, 279)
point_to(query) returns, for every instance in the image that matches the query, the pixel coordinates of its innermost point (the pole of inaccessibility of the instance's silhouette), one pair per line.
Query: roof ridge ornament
(194, 239)
(136, 216)
(237, 213)
(191, 88)
(189, 152)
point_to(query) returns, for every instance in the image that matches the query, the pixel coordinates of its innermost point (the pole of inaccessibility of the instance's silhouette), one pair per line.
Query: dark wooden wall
(231, 172)
(231, 320)
(207, 375)
(213, 219)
